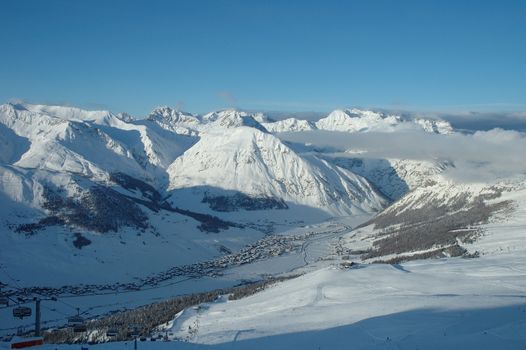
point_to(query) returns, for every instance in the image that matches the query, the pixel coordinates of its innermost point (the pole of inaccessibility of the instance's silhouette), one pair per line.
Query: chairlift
(75, 320)
(133, 334)
(22, 311)
(112, 332)
(133, 331)
(4, 301)
(80, 328)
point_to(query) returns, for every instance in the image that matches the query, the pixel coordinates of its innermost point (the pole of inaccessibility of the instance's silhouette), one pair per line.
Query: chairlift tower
(38, 314)
(24, 311)
(37, 317)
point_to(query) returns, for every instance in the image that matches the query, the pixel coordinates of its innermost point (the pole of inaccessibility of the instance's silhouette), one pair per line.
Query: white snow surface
(432, 305)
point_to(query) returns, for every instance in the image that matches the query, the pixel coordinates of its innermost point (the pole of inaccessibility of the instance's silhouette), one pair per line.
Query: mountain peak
(15, 106)
(360, 120)
(290, 124)
(259, 164)
(167, 112)
(125, 117)
(174, 120)
(66, 112)
(233, 118)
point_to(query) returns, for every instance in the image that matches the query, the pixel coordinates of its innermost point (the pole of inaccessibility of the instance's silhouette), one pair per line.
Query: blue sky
(265, 55)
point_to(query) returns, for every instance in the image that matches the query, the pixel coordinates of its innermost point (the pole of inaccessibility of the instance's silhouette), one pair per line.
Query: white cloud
(484, 155)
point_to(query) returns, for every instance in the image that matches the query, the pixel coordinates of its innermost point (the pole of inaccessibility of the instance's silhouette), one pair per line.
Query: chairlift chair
(112, 332)
(75, 320)
(133, 331)
(80, 328)
(133, 334)
(22, 311)
(4, 301)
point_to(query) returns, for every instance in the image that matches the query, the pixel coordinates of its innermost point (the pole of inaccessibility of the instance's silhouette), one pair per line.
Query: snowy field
(426, 305)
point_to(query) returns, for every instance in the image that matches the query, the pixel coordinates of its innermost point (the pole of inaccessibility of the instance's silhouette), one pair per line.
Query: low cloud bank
(486, 121)
(483, 155)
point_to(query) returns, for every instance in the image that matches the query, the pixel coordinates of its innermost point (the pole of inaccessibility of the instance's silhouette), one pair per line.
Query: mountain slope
(431, 305)
(259, 164)
(90, 143)
(440, 219)
(394, 177)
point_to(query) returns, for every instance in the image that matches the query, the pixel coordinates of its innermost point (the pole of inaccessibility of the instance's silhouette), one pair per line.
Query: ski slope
(431, 305)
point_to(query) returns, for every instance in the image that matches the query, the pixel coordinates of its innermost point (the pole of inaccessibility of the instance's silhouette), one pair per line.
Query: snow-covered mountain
(225, 171)
(67, 170)
(176, 121)
(125, 205)
(259, 164)
(262, 118)
(394, 177)
(66, 113)
(90, 186)
(289, 124)
(232, 118)
(357, 120)
(346, 120)
(89, 143)
(443, 218)
(434, 125)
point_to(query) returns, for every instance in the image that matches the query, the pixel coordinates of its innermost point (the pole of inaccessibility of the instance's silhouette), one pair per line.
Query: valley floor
(292, 251)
